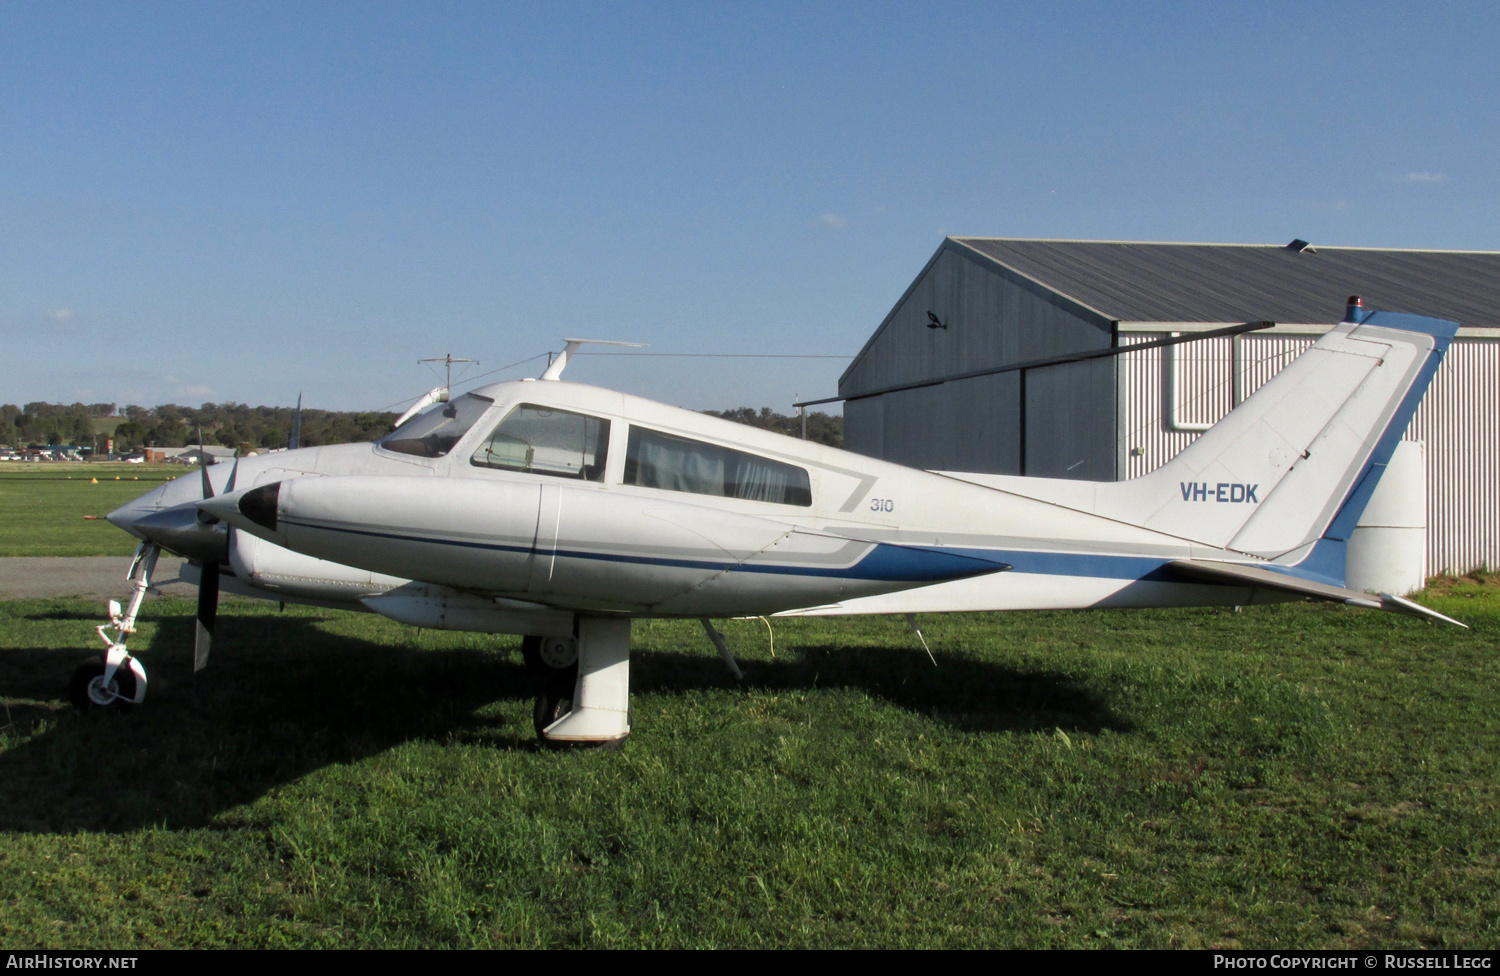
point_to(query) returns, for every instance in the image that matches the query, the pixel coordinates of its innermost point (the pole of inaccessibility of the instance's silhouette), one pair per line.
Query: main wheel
(555, 701)
(549, 655)
(87, 688)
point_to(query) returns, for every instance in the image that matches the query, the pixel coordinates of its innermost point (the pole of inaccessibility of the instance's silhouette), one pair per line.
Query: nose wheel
(89, 689)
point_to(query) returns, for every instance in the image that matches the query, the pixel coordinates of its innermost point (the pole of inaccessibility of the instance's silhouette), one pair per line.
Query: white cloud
(836, 221)
(1423, 178)
(60, 315)
(195, 390)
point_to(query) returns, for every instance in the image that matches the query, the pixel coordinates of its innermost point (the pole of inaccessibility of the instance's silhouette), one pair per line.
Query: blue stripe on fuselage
(888, 563)
(918, 565)
(884, 562)
(1097, 565)
(922, 565)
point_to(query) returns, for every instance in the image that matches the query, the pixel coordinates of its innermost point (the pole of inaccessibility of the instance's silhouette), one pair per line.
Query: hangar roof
(1162, 282)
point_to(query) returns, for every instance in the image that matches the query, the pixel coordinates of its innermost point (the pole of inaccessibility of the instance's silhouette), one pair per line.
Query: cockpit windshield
(433, 432)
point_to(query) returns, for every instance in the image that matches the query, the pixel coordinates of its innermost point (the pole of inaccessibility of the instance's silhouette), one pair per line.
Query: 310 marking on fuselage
(1202, 491)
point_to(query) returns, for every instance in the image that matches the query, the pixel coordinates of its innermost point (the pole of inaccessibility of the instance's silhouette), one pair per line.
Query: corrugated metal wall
(993, 318)
(1458, 420)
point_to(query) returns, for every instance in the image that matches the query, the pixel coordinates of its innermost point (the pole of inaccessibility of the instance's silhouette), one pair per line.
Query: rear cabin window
(433, 432)
(542, 440)
(657, 460)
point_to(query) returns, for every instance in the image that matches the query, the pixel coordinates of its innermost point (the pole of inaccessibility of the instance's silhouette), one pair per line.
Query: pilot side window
(433, 432)
(656, 460)
(541, 440)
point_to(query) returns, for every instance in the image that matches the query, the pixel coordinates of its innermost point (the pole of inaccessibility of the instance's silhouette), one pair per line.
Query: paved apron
(94, 577)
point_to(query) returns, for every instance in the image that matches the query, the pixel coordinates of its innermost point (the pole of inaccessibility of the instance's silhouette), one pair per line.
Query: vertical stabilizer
(1295, 464)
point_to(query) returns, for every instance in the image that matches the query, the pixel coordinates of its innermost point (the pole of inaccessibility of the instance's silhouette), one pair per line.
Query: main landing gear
(117, 680)
(585, 698)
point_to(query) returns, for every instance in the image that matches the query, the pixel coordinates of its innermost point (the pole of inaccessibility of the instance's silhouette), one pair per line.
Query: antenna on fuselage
(555, 368)
(448, 361)
(438, 394)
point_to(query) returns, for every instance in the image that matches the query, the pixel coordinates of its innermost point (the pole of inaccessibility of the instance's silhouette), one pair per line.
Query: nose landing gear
(117, 680)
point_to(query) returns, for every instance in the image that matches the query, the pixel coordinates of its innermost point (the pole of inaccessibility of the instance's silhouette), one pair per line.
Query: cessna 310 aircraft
(564, 512)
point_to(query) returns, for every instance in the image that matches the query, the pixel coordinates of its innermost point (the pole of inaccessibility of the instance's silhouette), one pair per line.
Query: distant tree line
(260, 428)
(51, 423)
(235, 425)
(821, 427)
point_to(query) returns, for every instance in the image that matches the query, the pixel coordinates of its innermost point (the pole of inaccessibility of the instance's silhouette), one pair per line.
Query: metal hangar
(1014, 357)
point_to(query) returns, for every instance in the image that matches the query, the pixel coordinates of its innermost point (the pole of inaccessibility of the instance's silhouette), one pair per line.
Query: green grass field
(1286, 776)
(42, 506)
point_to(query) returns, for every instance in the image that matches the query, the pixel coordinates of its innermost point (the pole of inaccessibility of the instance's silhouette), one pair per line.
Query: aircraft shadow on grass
(283, 698)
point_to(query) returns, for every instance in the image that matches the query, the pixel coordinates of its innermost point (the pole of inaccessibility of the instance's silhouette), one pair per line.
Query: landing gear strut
(589, 702)
(118, 680)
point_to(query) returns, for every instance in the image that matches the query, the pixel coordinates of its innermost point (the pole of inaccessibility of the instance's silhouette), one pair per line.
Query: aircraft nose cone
(178, 491)
(132, 512)
(181, 531)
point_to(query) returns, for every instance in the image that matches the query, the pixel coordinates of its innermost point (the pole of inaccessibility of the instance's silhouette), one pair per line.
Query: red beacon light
(1353, 308)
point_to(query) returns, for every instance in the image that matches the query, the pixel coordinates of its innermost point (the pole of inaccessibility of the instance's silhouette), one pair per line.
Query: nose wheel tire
(87, 689)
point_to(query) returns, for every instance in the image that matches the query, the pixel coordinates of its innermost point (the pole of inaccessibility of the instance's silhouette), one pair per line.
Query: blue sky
(241, 202)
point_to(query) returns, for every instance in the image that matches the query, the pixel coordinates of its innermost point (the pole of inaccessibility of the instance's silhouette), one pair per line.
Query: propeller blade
(208, 492)
(233, 473)
(296, 440)
(208, 611)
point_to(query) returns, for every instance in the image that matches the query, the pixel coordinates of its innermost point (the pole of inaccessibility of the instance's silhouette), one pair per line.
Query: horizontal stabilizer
(1397, 604)
(1237, 574)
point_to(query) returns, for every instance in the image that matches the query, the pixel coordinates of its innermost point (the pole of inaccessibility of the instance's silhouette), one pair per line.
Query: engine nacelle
(438, 608)
(269, 569)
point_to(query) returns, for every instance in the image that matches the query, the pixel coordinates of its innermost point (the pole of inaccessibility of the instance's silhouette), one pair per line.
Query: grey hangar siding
(1064, 425)
(1010, 301)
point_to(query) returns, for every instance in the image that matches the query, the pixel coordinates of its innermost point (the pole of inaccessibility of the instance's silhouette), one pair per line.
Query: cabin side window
(542, 440)
(657, 460)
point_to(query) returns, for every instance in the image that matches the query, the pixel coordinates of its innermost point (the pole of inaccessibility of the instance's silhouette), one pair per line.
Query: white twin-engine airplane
(565, 512)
